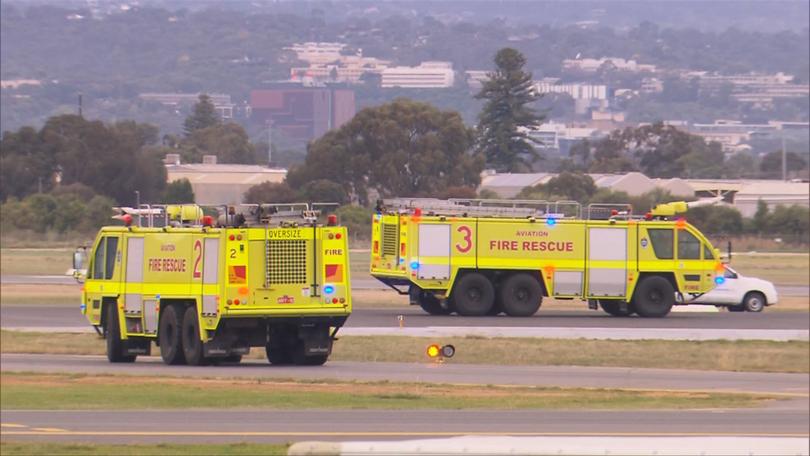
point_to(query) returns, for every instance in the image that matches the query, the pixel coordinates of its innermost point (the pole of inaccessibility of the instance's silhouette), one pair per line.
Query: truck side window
(688, 246)
(98, 259)
(707, 253)
(112, 250)
(662, 241)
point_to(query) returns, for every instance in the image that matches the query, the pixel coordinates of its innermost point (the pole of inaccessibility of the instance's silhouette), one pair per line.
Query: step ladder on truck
(207, 288)
(484, 257)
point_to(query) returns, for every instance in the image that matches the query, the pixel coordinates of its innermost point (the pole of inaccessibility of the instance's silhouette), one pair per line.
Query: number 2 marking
(197, 250)
(467, 239)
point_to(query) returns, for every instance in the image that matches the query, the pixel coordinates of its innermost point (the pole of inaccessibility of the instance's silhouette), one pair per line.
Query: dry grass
(68, 391)
(11, 448)
(781, 269)
(754, 356)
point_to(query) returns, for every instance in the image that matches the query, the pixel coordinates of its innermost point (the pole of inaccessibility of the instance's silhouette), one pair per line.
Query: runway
(545, 376)
(203, 426)
(65, 316)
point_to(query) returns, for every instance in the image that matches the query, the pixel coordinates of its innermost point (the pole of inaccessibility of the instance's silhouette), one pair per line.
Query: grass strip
(70, 391)
(720, 355)
(10, 448)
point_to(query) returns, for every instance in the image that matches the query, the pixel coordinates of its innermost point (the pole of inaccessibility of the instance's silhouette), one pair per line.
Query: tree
(771, 164)
(25, 165)
(716, 219)
(403, 148)
(324, 191)
(566, 185)
(203, 115)
(760, 222)
(704, 162)
(506, 116)
(229, 142)
(179, 192)
(271, 192)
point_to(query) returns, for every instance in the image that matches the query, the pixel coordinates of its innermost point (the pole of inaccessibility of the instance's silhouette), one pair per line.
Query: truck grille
(389, 239)
(286, 262)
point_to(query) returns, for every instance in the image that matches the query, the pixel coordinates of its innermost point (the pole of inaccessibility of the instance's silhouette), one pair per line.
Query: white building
(593, 65)
(476, 78)
(317, 53)
(428, 75)
(577, 91)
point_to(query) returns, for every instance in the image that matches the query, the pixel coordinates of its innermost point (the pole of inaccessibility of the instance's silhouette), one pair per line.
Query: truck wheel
(112, 333)
(278, 355)
(613, 307)
(169, 334)
(431, 304)
(520, 295)
(192, 345)
(754, 301)
(301, 359)
(473, 295)
(654, 297)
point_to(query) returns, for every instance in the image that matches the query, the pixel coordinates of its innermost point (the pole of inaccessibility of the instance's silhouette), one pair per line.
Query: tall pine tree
(508, 93)
(204, 115)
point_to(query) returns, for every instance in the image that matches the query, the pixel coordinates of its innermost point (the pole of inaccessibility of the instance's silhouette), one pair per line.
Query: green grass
(750, 356)
(104, 392)
(10, 448)
(35, 261)
(789, 269)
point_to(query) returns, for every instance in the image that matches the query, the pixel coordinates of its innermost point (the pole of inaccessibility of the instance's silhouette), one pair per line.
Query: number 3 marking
(467, 239)
(198, 251)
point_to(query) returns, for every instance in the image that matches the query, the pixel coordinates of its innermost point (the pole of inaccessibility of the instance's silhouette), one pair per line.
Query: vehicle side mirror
(79, 264)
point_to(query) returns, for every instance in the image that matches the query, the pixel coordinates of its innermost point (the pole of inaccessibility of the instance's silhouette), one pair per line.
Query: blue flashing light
(329, 289)
(83, 307)
(719, 280)
(414, 265)
(551, 221)
(401, 260)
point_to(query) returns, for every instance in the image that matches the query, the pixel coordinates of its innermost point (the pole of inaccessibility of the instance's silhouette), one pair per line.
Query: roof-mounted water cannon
(666, 210)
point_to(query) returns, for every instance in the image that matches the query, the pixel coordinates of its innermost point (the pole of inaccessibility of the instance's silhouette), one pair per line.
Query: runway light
(433, 350)
(448, 351)
(719, 280)
(438, 352)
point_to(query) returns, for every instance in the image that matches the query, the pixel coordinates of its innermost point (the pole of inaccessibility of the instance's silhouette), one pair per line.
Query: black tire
(473, 295)
(278, 355)
(191, 343)
(614, 308)
(520, 295)
(754, 301)
(431, 304)
(654, 297)
(112, 334)
(169, 334)
(301, 359)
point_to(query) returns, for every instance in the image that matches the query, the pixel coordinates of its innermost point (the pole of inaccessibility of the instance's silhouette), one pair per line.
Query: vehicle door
(690, 265)
(103, 273)
(726, 291)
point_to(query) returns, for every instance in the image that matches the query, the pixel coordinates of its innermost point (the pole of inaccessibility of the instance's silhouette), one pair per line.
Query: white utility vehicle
(739, 293)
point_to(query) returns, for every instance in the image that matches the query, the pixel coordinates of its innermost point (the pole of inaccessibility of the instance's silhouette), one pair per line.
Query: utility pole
(138, 206)
(80, 104)
(269, 143)
(784, 158)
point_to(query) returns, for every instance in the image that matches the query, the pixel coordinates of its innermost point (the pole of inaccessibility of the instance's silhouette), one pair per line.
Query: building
(428, 75)
(558, 137)
(330, 62)
(745, 194)
(317, 53)
(216, 184)
(615, 63)
(755, 88)
(222, 103)
(475, 78)
(302, 113)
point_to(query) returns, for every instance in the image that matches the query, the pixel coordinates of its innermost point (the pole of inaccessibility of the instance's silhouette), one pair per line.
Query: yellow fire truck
(484, 257)
(207, 289)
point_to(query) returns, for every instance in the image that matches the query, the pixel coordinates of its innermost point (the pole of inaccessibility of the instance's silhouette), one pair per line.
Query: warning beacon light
(438, 352)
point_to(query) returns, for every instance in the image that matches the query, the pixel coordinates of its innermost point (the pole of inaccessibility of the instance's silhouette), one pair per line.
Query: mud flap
(316, 340)
(137, 346)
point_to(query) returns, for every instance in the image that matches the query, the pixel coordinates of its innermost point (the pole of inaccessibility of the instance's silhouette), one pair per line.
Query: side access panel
(607, 262)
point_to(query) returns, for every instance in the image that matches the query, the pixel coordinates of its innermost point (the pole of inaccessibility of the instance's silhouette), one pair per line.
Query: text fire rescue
(167, 264)
(532, 246)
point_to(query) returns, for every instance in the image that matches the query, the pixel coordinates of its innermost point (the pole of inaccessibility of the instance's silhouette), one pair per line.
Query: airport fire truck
(206, 288)
(484, 257)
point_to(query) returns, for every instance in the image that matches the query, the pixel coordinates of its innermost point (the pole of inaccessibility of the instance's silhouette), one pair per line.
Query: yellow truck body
(209, 293)
(476, 260)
